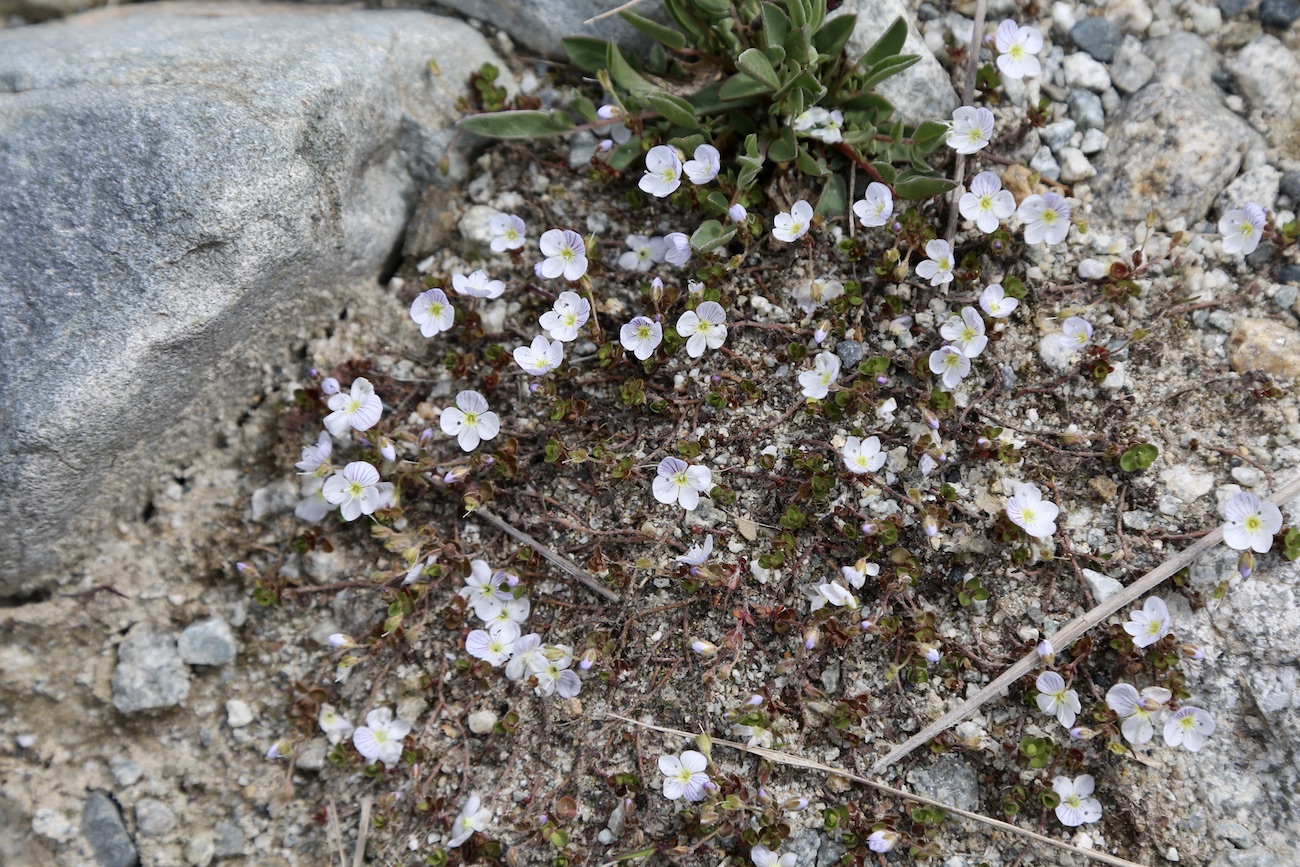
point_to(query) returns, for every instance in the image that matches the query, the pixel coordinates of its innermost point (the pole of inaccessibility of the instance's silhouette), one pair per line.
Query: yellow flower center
(1027, 515)
(435, 309)
(355, 489)
(643, 332)
(471, 419)
(1254, 524)
(569, 319)
(986, 203)
(1049, 217)
(1017, 51)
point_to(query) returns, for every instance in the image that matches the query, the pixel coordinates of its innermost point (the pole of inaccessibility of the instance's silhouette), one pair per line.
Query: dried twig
(334, 833)
(564, 563)
(968, 93)
(359, 854)
(617, 9)
(798, 762)
(1067, 634)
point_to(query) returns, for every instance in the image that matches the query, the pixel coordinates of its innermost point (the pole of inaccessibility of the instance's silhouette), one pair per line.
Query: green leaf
(656, 31)
(798, 45)
(711, 235)
(834, 200)
(889, 43)
(717, 202)
(585, 108)
(741, 86)
(776, 24)
(586, 52)
(831, 36)
(674, 108)
(808, 165)
(888, 68)
(929, 132)
(749, 169)
(678, 11)
(921, 187)
(798, 12)
(755, 64)
(622, 156)
(783, 149)
(517, 124)
(872, 103)
(623, 74)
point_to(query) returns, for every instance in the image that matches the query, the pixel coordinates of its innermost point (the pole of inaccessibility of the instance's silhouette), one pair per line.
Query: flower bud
(329, 385)
(537, 270)
(341, 640)
(455, 475)
(511, 579)
(387, 449)
(656, 290)
(605, 145)
(794, 805)
(704, 648)
(279, 750)
(931, 420)
(810, 637)
(705, 743)
(1046, 652)
(1192, 652)
(588, 659)
(930, 652)
(869, 627)
(881, 379)
(694, 286)
(1246, 563)
(930, 525)
(348, 662)
(868, 527)
(426, 436)
(819, 336)
(607, 112)
(754, 700)
(737, 213)
(1081, 733)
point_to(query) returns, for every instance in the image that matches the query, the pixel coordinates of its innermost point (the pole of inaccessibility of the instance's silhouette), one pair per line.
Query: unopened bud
(705, 743)
(588, 659)
(329, 385)
(656, 290)
(605, 145)
(754, 700)
(1192, 652)
(811, 637)
(348, 662)
(930, 652)
(456, 475)
(1081, 733)
(342, 640)
(704, 648)
(930, 525)
(881, 379)
(931, 420)
(794, 805)
(510, 579)
(387, 449)
(280, 750)
(1046, 652)
(819, 336)
(869, 627)
(737, 213)
(1246, 563)
(537, 270)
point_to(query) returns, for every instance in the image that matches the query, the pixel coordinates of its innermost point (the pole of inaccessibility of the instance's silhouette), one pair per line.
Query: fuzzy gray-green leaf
(517, 124)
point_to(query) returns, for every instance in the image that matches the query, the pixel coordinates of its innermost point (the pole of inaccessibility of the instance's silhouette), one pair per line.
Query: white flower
(1031, 513)
(484, 589)
(881, 841)
(643, 252)
(1242, 229)
(694, 287)
(1018, 45)
(355, 489)
(856, 575)
(507, 615)
(971, 129)
(565, 254)
(663, 172)
(1074, 336)
(987, 203)
(950, 365)
(380, 739)
(432, 311)
(619, 131)
(1054, 699)
(507, 232)
(817, 382)
(876, 207)
(358, 410)
(938, 267)
(793, 225)
(1150, 624)
(819, 123)
(494, 647)
(1046, 218)
(706, 325)
(684, 776)
(996, 302)
(698, 554)
(525, 657)
(473, 817)
(317, 456)
(470, 421)
(336, 726)
(553, 674)
(677, 249)
(834, 593)
(681, 483)
(542, 357)
(1137, 711)
(570, 313)
(705, 166)
(966, 332)
(765, 857)
(1076, 807)
(815, 293)
(313, 506)
(1188, 727)
(477, 285)
(1252, 523)
(641, 336)
(863, 456)
(885, 412)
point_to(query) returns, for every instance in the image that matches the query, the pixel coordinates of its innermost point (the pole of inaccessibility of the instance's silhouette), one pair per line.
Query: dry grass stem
(573, 569)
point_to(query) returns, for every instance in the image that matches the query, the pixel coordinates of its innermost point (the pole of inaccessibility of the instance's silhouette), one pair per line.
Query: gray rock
(1082, 71)
(1057, 135)
(1279, 13)
(1235, 833)
(1074, 165)
(1094, 142)
(1132, 69)
(921, 92)
(582, 146)
(1045, 164)
(1086, 109)
(101, 825)
(1286, 296)
(201, 850)
(1100, 37)
(126, 772)
(149, 672)
(181, 186)
(42, 10)
(1171, 151)
(313, 756)
(541, 24)
(229, 840)
(274, 499)
(951, 779)
(1102, 586)
(1289, 274)
(1132, 16)
(1291, 185)
(1260, 68)
(1233, 8)
(1259, 185)
(153, 818)
(208, 642)
(850, 353)
(1184, 61)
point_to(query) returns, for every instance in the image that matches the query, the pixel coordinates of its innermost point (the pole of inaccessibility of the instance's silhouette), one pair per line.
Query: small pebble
(482, 721)
(1099, 37)
(1289, 274)
(238, 713)
(1086, 109)
(1248, 476)
(1279, 13)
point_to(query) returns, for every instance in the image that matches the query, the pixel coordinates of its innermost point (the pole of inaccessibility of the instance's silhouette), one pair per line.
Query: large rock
(181, 186)
(923, 91)
(1171, 151)
(541, 24)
